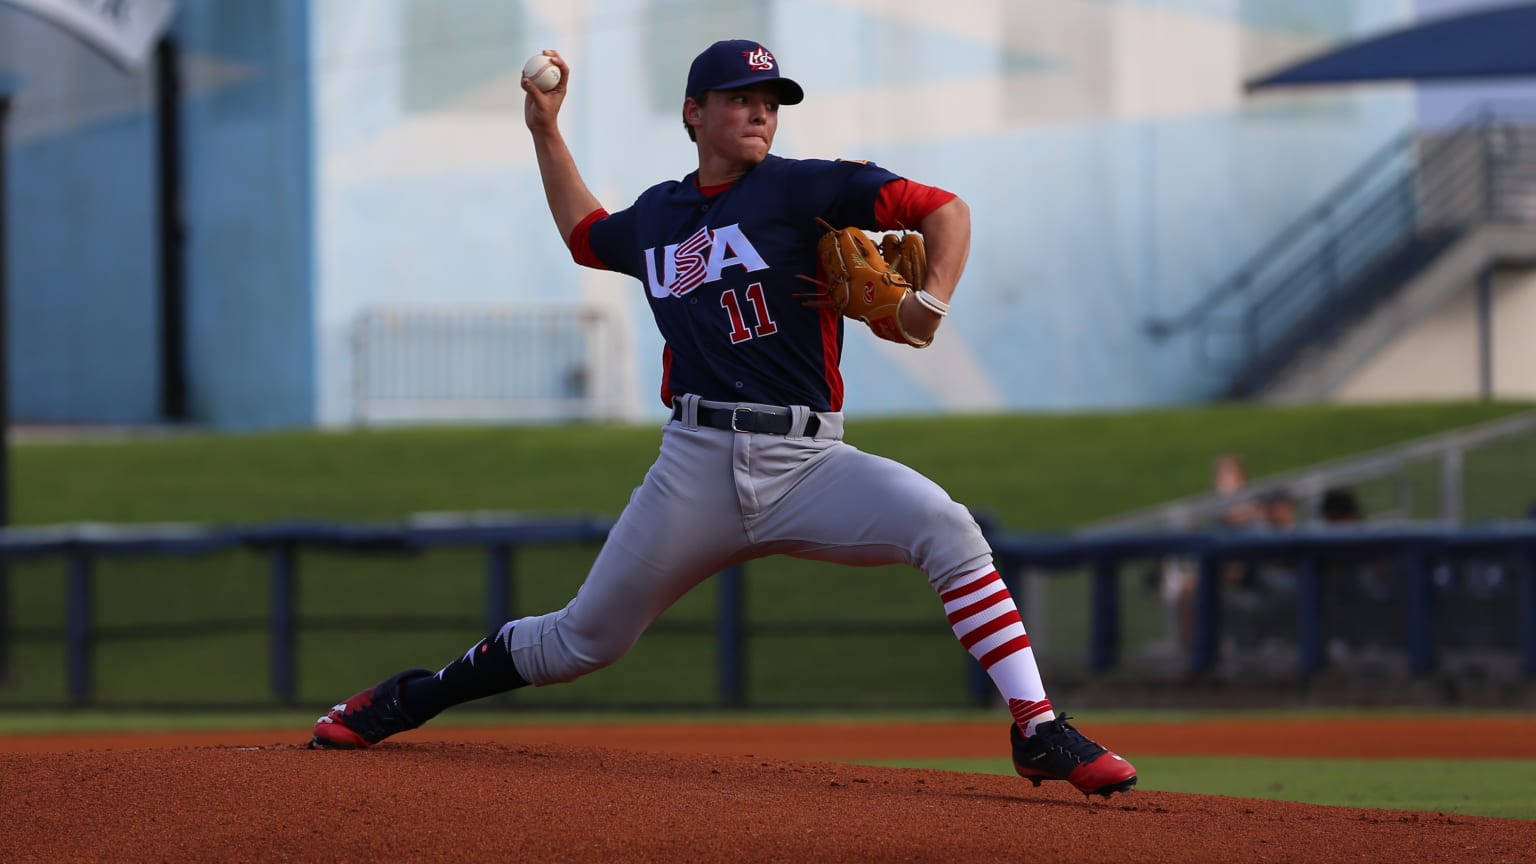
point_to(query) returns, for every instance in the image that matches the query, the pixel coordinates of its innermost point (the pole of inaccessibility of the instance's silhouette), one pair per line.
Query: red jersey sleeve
(904, 204)
(580, 241)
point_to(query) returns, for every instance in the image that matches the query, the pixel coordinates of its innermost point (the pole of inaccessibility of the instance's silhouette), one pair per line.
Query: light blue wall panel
(82, 267)
(249, 211)
(83, 271)
(84, 233)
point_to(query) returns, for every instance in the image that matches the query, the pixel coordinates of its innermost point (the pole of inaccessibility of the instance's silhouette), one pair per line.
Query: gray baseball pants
(715, 498)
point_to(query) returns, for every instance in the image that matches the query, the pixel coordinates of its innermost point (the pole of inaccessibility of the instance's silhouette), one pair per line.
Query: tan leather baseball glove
(857, 280)
(906, 254)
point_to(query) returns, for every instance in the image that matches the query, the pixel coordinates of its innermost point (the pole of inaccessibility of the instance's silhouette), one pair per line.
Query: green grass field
(1031, 473)
(1479, 787)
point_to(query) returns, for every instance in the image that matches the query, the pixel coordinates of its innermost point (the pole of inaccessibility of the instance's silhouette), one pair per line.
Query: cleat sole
(1124, 787)
(318, 743)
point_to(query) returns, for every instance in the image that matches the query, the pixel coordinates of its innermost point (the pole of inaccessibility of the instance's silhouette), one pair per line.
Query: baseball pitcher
(752, 264)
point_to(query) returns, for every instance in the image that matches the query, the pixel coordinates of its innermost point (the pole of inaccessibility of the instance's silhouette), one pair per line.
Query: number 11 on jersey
(739, 331)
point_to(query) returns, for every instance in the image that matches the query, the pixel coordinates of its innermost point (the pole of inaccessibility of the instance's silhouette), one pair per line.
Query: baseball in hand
(543, 71)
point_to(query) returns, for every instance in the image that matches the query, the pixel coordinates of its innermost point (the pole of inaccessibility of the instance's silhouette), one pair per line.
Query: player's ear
(693, 112)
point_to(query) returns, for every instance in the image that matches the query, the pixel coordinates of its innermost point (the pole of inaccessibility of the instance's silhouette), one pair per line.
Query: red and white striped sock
(987, 623)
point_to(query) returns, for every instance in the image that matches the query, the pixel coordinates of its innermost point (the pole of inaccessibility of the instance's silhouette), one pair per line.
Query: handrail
(1455, 188)
(1314, 246)
(1162, 328)
(1313, 481)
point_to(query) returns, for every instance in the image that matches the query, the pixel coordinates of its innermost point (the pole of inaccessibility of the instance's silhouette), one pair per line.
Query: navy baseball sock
(484, 670)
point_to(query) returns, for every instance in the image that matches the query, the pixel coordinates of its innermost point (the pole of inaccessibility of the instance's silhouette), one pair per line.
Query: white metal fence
(1309, 485)
(485, 363)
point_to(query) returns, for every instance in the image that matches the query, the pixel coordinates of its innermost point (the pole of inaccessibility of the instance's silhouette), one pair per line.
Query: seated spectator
(1279, 510)
(1229, 476)
(1364, 600)
(1259, 596)
(1341, 507)
(1277, 576)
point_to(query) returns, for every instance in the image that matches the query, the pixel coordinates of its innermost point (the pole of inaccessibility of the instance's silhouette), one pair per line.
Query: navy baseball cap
(737, 63)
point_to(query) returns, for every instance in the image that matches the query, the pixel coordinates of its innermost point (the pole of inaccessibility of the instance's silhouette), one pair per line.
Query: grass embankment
(1036, 473)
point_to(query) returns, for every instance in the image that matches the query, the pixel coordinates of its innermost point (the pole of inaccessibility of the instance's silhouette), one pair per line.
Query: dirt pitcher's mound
(437, 801)
(1457, 737)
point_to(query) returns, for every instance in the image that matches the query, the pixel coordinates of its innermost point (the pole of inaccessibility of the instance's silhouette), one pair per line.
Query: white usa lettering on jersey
(685, 265)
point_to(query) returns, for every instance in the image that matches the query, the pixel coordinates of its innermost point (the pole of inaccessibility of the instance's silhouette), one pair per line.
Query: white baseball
(543, 71)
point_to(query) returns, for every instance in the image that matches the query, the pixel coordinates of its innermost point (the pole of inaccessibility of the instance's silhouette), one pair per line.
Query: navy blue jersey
(721, 275)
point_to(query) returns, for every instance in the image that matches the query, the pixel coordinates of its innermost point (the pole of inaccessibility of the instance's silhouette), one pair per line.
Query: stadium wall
(83, 227)
(1441, 356)
(1114, 167)
(342, 154)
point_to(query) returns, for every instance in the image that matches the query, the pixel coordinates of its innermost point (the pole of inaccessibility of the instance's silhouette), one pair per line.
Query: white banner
(124, 30)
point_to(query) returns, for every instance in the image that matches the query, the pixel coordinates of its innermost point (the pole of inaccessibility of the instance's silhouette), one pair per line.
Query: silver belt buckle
(734, 412)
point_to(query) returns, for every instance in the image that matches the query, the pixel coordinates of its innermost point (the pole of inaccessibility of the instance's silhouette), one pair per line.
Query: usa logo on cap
(732, 64)
(759, 58)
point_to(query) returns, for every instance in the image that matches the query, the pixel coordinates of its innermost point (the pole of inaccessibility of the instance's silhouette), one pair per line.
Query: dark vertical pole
(1309, 616)
(1207, 636)
(498, 586)
(500, 595)
(1485, 334)
(5, 418)
(1528, 615)
(730, 639)
(280, 624)
(1419, 580)
(77, 628)
(1104, 652)
(173, 366)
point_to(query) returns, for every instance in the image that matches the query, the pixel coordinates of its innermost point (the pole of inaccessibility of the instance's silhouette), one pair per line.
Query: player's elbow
(952, 212)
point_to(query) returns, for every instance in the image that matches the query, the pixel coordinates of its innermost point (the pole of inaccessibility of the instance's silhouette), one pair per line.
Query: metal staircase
(1399, 212)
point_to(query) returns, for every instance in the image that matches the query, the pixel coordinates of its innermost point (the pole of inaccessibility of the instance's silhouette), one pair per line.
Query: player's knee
(551, 649)
(945, 517)
(587, 653)
(950, 543)
(573, 666)
(586, 664)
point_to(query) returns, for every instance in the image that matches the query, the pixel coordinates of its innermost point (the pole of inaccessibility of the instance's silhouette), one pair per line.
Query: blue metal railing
(1416, 549)
(1407, 203)
(1301, 239)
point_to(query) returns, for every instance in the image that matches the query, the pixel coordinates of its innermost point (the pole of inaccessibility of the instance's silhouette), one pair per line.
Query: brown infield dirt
(736, 792)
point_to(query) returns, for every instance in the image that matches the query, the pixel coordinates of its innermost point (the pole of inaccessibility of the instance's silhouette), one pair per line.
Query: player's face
(738, 125)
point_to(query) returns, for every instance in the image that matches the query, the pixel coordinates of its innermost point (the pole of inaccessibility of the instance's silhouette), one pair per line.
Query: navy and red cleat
(1059, 752)
(368, 717)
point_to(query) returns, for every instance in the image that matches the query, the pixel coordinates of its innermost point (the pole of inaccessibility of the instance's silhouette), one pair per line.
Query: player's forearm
(567, 194)
(947, 237)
